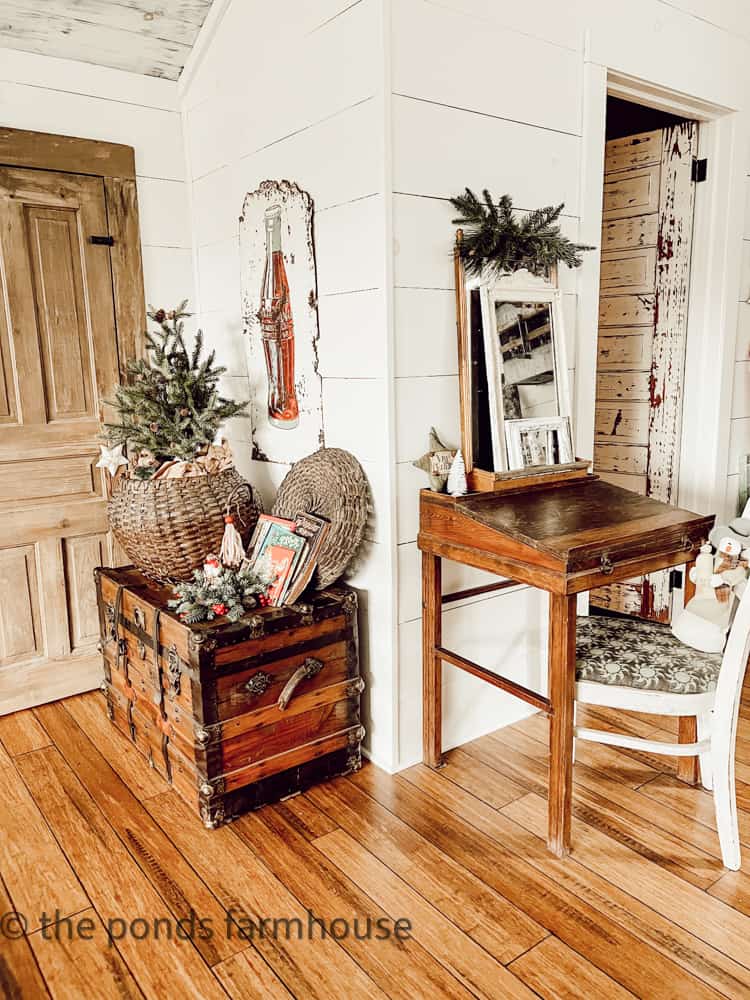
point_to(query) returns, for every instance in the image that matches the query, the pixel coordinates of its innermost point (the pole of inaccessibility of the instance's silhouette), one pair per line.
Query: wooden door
(58, 362)
(645, 273)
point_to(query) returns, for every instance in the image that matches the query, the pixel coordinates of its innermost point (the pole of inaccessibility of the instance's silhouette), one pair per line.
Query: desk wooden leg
(688, 768)
(432, 668)
(562, 659)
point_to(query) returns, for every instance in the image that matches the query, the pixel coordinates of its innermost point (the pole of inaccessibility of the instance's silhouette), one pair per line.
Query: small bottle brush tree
(170, 406)
(498, 241)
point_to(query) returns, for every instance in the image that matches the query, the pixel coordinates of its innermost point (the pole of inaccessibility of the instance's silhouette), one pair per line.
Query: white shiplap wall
(70, 98)
(307, 106)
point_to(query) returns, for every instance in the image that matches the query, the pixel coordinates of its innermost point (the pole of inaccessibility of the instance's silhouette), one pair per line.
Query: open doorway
(646, 243)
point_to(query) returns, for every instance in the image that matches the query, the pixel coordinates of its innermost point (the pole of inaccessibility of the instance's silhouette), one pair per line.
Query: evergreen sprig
(497, 241)
(170, 406)
(229, 594)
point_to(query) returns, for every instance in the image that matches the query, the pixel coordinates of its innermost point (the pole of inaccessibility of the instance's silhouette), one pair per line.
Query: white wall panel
(222, 332)
(155, 134)
(409, 481)
(348, 245)
(101, 82)
(508, 634)
(439, 151)
(499, 81)
(351, 335)
(216, 207)
(324, 72)
(422, 403)
(352, 168)
(741, 390)
(425, 325)
(742, 344)
(354, 412)
(219, 272)
(455, 577)
(163, 212)
(739, 442)
(168, 276)
(561, 25)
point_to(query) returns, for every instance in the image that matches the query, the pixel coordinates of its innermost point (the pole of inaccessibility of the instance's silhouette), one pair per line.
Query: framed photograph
(535, 441)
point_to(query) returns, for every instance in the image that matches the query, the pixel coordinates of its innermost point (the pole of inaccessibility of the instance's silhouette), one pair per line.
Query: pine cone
(160, 315)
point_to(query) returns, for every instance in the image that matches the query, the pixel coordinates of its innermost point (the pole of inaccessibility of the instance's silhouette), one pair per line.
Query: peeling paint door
(645, 276)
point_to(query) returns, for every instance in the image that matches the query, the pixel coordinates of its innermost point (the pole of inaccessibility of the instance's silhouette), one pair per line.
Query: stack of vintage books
(288, 550)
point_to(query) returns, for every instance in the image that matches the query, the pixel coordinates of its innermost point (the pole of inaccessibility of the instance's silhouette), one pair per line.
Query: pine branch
(495, 240)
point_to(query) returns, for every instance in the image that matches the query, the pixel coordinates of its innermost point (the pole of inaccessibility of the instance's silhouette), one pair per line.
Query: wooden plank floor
(124, 893)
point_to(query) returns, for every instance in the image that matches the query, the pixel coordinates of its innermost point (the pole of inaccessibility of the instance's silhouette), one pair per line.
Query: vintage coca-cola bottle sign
(277, 327)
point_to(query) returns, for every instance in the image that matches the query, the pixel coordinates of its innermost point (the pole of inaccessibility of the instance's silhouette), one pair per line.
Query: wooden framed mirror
(513, 376)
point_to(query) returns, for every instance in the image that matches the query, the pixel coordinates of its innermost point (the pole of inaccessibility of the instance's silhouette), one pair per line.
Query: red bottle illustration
(277, 327)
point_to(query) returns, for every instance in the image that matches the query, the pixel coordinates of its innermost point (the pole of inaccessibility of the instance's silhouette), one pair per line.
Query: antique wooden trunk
(233, 715)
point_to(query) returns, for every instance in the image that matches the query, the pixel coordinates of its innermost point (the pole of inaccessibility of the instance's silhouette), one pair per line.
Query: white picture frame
(522, 288)
(536, 441)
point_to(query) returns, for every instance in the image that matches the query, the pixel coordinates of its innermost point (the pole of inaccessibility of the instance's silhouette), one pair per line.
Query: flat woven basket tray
(329, 483)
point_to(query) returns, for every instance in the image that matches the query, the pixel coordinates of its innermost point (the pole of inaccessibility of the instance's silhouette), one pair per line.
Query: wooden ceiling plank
(61, 29)
(173, 20)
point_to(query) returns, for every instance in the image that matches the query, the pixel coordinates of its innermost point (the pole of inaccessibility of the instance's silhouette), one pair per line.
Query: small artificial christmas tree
(457, 484)
(170, 408)
(496, 240)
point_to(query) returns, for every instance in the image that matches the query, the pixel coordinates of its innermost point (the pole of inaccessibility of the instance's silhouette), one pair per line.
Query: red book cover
(281, 560)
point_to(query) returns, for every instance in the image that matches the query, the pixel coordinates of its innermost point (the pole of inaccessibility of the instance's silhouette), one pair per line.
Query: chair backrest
(734, 661)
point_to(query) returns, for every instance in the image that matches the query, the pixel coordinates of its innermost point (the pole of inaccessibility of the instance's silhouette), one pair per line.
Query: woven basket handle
(309, 668)
(233, 499)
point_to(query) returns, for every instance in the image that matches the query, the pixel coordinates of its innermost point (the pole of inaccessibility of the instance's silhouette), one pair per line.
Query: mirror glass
(526, 352)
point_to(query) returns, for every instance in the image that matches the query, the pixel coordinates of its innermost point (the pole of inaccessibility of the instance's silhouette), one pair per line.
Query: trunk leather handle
(309, 668)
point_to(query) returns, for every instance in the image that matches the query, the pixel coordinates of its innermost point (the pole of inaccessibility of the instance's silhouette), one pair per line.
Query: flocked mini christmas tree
(457, 484)
(170, 407)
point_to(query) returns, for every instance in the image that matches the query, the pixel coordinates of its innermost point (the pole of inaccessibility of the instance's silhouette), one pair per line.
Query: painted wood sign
(280, 315)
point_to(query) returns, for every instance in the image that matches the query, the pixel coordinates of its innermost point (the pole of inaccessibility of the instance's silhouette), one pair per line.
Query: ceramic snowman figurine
(704, 622)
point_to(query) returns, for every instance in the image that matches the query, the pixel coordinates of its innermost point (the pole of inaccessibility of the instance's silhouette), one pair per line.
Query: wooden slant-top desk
(564, 538)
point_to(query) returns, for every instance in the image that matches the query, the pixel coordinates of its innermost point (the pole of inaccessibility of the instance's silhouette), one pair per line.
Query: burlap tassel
(232, 550)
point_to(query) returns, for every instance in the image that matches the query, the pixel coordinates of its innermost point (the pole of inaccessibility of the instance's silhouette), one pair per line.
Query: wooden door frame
(114, 163)
(714, 281)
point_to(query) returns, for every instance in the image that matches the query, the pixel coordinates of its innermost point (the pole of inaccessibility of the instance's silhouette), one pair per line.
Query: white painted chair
(640, 666)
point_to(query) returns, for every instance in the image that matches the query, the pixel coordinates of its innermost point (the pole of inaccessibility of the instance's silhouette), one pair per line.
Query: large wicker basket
(168, 526)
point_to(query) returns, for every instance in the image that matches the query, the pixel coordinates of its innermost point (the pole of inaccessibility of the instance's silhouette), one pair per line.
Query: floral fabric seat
(639, 654)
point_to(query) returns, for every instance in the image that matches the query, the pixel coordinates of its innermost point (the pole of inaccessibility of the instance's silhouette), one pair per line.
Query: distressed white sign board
(271, 443)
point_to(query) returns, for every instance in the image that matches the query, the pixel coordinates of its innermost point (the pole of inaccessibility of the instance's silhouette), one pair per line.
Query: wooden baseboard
(48, 680)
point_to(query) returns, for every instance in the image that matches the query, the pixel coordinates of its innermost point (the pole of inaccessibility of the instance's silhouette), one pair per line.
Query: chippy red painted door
(645, 274)
(58, 363)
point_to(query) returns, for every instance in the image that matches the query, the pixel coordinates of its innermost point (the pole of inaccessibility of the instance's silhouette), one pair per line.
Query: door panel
(626, 234)
(81, 556)
(646, 236)
(633, 151)
(629, 271)
(61, 312)
(20, 620)
(631, 192)
(59, 364)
